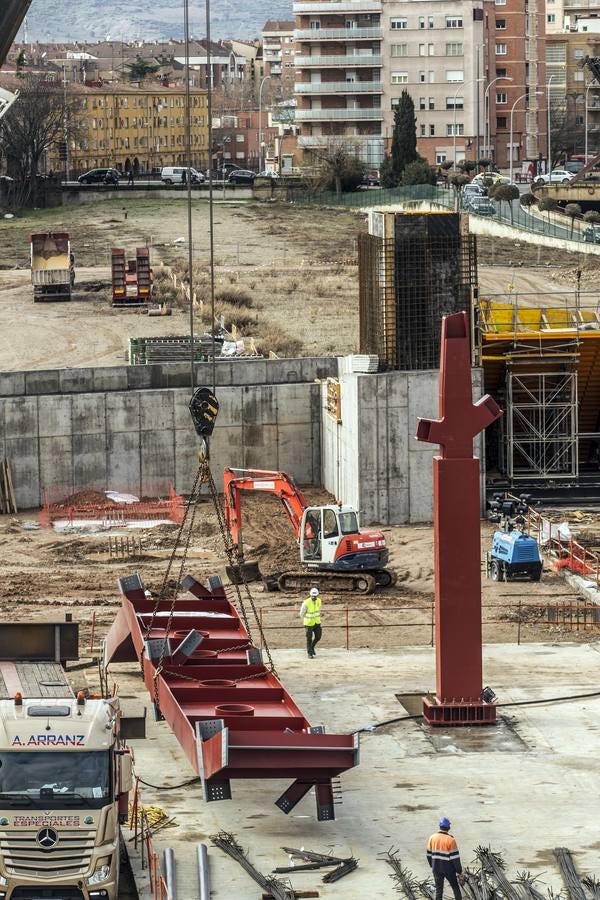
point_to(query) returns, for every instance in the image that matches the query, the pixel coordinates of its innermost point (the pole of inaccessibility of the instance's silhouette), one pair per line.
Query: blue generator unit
(514, 557)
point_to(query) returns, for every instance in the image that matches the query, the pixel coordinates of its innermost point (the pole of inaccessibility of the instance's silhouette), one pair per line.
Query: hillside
(55, 20)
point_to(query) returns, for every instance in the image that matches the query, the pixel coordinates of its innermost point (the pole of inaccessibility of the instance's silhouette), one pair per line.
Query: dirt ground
(290, 273)
(44, 570)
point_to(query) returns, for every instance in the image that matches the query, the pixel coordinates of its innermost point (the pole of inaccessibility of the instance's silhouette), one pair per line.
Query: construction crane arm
(279, 483)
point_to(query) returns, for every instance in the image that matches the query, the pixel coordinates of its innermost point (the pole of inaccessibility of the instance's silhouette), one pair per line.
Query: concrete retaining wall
(372, 459)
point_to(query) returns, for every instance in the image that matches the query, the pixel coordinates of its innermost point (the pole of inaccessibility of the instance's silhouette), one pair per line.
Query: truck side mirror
(125, 771)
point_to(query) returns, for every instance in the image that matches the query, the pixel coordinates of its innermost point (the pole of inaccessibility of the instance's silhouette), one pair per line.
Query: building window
(500, 2)
(501, 97)
(500, 24)
(430, 49)
(421, 102)
(452, 130)
(551, 19)
(501, 122)
(422, 130)
(398, 24)
(430, 22)
(399, 50)
(421, 77)
(432, 103)
(500, 73)
(500, 49)
(454, 50)
(455, 102)
(455, 75)
(578, 75)
(440, 158)
(432, 131)
(579, 120)
(431, 76)
(421, 21)
(399, 77)
(578, 53)
(239, 138)
(454, 22)
(421, 49)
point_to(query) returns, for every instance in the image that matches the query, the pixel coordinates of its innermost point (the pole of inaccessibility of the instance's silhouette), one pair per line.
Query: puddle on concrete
(499, 738)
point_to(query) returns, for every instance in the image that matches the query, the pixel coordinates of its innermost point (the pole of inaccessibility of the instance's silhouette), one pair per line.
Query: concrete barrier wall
(137, 440)
(372, 459)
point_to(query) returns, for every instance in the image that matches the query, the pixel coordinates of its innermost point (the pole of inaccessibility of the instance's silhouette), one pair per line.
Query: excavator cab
(321, 531)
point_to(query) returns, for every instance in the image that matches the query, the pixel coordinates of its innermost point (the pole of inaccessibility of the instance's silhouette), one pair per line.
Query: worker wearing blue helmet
(444, 859)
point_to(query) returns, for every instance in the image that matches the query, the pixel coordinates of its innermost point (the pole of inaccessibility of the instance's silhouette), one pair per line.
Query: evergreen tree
(404, 137)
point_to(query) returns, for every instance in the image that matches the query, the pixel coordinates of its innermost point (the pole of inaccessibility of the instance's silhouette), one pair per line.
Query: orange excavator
(329, 539)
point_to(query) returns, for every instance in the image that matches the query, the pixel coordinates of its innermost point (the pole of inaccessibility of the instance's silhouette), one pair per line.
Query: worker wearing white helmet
(310, 613)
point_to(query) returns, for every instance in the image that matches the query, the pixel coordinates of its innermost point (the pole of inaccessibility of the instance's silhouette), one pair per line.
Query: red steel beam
(232, 716)
(457, 535)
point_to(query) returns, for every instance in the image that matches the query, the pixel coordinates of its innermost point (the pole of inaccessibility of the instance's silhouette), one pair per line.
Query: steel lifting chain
(232, 552)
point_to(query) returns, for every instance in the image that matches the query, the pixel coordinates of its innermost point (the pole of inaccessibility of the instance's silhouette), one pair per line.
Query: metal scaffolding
(541, 423)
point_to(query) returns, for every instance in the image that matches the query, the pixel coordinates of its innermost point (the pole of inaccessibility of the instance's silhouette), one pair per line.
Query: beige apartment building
(465, 63)
(279, 51)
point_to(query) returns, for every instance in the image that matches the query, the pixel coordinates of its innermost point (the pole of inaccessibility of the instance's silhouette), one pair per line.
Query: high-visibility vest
(312, 615)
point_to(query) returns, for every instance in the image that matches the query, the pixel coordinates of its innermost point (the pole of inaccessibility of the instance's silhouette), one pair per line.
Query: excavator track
(356, 582)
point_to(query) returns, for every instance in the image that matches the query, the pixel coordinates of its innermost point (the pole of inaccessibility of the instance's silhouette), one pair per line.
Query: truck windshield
(348, 523)
(54, 780)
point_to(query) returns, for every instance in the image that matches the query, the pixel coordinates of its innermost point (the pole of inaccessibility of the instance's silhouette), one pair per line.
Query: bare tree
(341, 166)
(33, 125)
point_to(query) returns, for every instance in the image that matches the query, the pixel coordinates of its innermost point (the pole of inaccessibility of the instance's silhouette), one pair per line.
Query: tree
(572, 210)
(20, 63)
(140, 69)
(341, 166)
(592, 216)
(483, 163)
(467, 165)
(547, 204)
(387, 177)
(418, 172)
(404, 136)
(528, 200)
(31, 127)
(506, 193)
(458, 181)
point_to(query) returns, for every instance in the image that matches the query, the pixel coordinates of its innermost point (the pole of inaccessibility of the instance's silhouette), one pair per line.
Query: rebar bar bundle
(343, 866)
(571, 879)
(228, 844)
(593, 886)
(404, 880)
(527, 883)
(492, 864)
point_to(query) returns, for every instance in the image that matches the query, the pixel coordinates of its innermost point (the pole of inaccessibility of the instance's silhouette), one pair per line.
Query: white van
(174, 175)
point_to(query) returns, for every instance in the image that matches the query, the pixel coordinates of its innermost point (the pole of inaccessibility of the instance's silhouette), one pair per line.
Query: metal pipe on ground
(169, 860)
(203, 875)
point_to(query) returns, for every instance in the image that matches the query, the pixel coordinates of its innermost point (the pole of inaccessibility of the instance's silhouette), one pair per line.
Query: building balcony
(344, 7)
(338, 34)
(339, 87)
(338, 62)
(321, 140)
(338, 115)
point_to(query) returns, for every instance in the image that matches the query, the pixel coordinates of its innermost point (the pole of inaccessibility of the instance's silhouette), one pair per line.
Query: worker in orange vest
(444, 859)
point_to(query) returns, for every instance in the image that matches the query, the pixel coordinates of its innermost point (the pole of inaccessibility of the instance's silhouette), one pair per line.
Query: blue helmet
(444, 822)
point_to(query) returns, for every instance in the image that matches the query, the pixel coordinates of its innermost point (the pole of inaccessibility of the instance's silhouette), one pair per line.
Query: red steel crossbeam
(231, 715)
(457, 538)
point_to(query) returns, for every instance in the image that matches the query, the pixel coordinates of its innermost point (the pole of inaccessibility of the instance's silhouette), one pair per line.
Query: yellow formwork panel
(588, 317)
(558, 318)
(498, 317)
(529, 319)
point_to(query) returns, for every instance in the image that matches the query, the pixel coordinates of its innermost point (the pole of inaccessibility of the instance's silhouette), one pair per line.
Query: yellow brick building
(125, 126)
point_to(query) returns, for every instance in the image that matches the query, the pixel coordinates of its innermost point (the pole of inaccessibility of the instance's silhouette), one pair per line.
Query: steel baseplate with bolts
(456, 487)
(228, 709)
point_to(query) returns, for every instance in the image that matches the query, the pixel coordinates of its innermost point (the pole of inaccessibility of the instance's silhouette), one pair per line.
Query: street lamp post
(266, 78)
(510, 146)
(592, 82)
(465, 84)
(488, 123)
(549, 123)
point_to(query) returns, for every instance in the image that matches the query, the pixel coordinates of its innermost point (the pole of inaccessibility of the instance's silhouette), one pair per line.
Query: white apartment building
(338, 86)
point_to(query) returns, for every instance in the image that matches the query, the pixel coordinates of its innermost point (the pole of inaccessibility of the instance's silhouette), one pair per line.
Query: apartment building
(466, 64)
(279, 51)
(439, 53)
(142, 128)
(574, 94)
(338, 75)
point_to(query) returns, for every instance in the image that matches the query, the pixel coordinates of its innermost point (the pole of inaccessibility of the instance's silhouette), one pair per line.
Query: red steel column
(457, 541)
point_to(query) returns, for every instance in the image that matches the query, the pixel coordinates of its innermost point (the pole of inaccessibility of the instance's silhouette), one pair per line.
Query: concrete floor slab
(524, 788)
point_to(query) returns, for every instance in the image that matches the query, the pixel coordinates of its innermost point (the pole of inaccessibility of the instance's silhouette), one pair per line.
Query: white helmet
(314, 592)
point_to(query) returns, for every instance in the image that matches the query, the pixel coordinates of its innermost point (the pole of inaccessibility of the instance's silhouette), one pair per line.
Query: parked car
(242, 176)
(592, 234)
(482, 206)
(100, 176)
(266, 174)
(496, 177)
(556, 176)
(371, 179)
(474, 189)
(174, 175)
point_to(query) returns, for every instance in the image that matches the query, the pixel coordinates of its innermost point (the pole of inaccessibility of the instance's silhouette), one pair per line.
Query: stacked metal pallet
(171, 349)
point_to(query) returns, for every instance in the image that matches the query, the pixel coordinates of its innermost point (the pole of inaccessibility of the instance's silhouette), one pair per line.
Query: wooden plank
(11, 679)
(10, 486)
